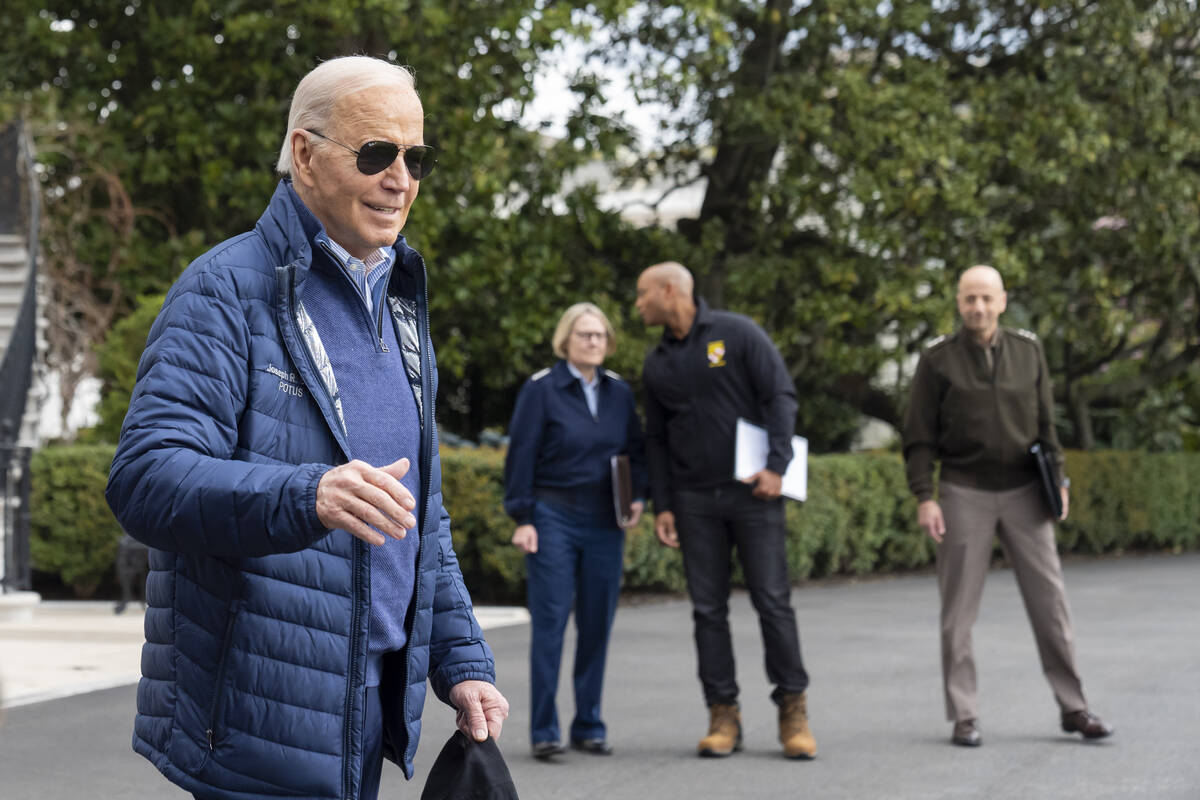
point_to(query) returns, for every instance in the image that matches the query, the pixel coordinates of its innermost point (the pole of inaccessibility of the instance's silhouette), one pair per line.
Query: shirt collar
(995, 346)
(367, 276)
(595, 381)
(565, 374)
(373, 259)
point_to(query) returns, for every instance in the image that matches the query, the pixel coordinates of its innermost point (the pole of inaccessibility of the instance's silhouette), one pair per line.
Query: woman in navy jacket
(568, 421)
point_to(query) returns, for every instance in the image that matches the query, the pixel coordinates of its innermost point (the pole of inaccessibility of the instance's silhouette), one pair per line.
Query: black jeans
(711, 522)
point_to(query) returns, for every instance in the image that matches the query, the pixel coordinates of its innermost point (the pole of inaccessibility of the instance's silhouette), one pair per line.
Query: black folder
(622, 487)
(1048, 477)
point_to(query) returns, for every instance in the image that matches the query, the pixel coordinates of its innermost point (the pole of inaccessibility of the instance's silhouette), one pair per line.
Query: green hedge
(72, 532)
(859, 519)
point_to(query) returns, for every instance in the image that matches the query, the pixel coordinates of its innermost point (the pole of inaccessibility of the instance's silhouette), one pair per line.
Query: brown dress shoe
(966, 734)
(1087, 723)
(797, 739)
(724, 731)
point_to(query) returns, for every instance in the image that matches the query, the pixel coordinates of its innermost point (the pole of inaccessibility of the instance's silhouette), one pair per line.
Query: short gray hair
(566, 323)
(320, 89)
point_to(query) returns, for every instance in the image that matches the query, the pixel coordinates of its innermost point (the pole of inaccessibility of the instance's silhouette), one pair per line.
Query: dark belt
(585, 496)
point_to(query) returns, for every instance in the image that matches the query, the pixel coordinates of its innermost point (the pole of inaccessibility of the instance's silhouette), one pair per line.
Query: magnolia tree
(859, 155)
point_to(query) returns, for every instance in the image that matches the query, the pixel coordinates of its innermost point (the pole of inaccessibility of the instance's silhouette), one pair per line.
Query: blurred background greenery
(847, 159)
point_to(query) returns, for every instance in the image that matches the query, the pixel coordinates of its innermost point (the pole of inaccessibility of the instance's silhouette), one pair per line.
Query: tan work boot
(724, 731)
(798, 741)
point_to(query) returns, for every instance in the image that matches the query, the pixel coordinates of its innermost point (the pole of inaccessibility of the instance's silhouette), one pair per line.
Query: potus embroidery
(716, 353)
(289, 383)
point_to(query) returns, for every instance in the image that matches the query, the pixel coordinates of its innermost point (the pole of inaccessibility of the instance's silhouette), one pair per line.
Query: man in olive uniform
(979, 400)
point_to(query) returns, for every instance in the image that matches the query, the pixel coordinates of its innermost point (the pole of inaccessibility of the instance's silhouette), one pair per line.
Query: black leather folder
(622, 486)
(1048, 477)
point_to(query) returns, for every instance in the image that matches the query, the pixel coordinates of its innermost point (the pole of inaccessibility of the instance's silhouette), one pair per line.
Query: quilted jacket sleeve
(457, 649)
(174, 483)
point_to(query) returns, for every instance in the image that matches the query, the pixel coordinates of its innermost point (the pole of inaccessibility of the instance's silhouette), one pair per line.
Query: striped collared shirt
(367, 275)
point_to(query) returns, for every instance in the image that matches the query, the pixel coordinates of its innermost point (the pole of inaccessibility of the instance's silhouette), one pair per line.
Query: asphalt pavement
(875, 704)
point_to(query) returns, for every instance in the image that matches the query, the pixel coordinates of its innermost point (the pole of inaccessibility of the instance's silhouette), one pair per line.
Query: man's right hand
(664, 528)
(929, 517)
(356, 497)
(525, 538)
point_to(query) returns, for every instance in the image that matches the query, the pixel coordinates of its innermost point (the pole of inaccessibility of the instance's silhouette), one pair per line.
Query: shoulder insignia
(938, 342)
(1030, 335)
(541, 373)
(611, 374)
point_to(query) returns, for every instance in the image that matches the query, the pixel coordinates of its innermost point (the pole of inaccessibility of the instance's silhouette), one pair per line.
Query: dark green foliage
(74, 535)
(860, 155)
(857, 155)
(859, 518)
(473, 493)
(648, 565)
(186, 105)
(117, 362)
(1132, 501)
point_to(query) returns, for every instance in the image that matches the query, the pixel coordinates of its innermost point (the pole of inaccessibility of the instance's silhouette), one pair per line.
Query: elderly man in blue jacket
(280, 457)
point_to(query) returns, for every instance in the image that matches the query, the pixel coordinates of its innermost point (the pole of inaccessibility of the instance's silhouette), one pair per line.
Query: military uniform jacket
(979, 421)
(555, 442)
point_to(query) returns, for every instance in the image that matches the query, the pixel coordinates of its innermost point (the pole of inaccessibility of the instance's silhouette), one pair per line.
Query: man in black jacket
(710, 368)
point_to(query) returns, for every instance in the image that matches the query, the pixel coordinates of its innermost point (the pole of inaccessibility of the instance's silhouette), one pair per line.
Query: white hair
(320, 89)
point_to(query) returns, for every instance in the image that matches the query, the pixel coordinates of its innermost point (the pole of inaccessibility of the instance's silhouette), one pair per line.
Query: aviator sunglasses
(374, 157)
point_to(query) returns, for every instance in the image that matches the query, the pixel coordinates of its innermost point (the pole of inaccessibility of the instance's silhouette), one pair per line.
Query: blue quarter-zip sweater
(382, 426)
(258, 616)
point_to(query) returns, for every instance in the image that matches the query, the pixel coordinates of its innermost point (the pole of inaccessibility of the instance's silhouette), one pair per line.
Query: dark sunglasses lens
(375, 157)
(420, 160)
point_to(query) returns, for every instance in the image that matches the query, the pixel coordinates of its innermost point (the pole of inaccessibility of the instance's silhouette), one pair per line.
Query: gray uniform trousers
(1020, 518)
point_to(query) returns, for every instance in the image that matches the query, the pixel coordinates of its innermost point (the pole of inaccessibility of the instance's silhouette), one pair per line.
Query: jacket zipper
(348, 728)
(356, 558)
(383, 348)
(428, 420)
(426, 463)
(219, 686)
(379, 327)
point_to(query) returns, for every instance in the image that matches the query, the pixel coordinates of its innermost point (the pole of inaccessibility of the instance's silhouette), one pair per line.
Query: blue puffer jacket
(253, 667)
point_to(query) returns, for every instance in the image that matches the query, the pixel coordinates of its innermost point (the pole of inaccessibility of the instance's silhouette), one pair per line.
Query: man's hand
(767, 484)
(356, 497)
(1066, 498)
(481, 709)
(664, 529)
(929, 517)
(525, 538)
(636, 508)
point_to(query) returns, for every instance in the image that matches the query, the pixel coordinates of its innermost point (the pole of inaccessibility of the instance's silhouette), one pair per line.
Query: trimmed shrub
(117, 359)
(648, 565)
(473, 493)
(1123, 500)
(859, 518)
(73, 534)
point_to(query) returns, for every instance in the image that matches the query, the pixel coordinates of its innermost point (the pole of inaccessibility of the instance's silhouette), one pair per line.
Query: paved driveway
(875, 702)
